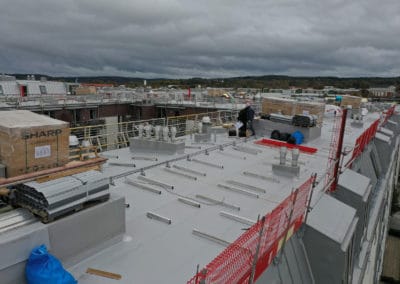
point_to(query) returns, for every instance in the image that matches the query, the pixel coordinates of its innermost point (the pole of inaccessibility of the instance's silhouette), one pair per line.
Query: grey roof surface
(156, 252)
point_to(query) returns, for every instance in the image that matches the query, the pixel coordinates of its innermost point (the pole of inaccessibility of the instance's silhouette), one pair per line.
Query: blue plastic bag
(44, 268)
(298, 136)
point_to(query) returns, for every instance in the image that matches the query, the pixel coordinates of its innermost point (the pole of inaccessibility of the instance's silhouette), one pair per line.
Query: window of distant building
(93, 114)
(1, 90)
(43, 90)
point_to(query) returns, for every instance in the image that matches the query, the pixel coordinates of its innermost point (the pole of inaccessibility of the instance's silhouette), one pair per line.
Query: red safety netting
(234, 264)
(364, 139)
(388, 114)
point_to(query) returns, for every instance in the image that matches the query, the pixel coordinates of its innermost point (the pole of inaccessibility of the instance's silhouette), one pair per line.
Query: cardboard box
(353, 101)
(31, 142)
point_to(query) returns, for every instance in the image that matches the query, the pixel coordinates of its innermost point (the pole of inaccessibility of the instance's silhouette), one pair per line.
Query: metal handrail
(116, 135)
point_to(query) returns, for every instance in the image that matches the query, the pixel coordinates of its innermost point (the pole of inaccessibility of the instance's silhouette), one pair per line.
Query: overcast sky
(200, 38)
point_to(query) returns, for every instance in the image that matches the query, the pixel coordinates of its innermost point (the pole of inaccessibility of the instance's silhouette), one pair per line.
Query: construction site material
(129, 165)
(30, 142)
(155, 182)
(237, 218)
(56, 198)
(46, 175)
(238, 190)
(4, 191)
(103, 273)
(185, 169)
(210, 237)
(292, 107)
(189, 202)
(248, 186)
(142, 186)
(304, 120)
(265, 127)
(207, 163)
(281, 118)
(180, 174)
(158, 217)
(353, 101)
(14, 219)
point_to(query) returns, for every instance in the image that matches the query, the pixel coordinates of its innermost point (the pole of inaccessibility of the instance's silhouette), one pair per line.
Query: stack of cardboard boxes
(30, 142)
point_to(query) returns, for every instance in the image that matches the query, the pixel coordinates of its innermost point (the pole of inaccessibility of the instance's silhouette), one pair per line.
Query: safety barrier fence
(388, 114)
(366, 137)
(253, 251)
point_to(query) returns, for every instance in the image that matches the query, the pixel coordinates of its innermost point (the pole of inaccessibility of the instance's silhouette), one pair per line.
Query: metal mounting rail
(180, 174)
(122, 164)
(144, 158)
(238, 190)
(210, 237)
(231, 155)
(155, 182)
(189, 170)
(237, 218)
(142, 186)
(247, 150)
(183, 157)
(217, 202)
(157, 217)
(250, 174)
(248, 186)
(207, 163)
(189, 202)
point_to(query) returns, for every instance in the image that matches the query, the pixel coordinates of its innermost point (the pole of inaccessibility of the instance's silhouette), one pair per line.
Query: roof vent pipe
(165, 133)
(173, 133)
(200, 127)
(140, 129)
(149, 130)
(283, 151)
(157, 131)
(295, 157)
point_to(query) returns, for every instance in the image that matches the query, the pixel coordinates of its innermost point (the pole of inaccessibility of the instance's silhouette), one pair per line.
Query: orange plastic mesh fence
(234, 264)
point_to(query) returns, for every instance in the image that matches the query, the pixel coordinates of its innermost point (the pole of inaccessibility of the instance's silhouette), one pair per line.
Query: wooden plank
(104, 273)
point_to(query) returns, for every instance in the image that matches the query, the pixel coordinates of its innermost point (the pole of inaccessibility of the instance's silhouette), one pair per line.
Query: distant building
(10, 86)
(387, 92)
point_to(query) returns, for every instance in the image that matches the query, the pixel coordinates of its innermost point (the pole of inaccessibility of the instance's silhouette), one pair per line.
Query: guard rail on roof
(116, 135)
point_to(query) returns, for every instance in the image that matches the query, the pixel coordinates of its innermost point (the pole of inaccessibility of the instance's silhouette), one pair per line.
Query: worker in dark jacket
(246, 116)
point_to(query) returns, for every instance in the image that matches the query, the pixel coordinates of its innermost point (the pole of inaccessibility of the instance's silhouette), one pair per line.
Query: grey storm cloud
(187, 38)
